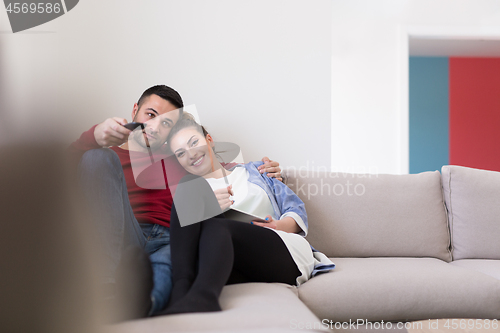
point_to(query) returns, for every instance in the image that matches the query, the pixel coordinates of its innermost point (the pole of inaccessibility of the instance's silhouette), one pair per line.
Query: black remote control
(132, 126)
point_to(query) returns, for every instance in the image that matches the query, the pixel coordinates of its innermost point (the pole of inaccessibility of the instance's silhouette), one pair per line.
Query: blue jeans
(103, 183)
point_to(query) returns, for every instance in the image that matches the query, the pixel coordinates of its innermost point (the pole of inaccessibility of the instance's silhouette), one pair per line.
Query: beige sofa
(407, 247)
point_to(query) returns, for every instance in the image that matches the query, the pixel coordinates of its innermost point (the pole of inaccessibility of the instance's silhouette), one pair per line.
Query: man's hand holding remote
(111, 132)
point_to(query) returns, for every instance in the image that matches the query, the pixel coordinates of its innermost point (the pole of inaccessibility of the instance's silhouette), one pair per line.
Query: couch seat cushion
(472, 198)
(245, 306)
(400, 289)
(488, 267)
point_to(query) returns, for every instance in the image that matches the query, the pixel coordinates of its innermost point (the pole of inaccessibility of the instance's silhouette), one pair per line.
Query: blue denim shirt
(286, 203)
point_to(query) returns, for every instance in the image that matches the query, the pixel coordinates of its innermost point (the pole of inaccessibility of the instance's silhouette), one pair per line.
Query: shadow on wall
(48, 273)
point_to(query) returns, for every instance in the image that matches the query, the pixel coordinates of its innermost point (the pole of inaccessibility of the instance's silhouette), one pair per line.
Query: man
(125, 213)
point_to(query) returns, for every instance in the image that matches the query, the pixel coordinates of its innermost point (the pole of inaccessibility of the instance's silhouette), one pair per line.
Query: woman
(217, 251)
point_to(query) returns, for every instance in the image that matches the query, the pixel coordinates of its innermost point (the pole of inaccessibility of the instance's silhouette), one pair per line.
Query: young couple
(206, 255)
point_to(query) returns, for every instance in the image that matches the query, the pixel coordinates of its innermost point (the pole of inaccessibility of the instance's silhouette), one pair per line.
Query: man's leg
(103, 184)
(158, 246)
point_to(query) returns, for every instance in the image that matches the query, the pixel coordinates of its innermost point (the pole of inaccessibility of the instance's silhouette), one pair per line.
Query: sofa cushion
(400, 289)
(245, 306)
(472, 198)
(361, 215)
(488, 267)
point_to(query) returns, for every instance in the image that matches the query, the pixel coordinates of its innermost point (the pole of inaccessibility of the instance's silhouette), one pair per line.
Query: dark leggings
(209, 254)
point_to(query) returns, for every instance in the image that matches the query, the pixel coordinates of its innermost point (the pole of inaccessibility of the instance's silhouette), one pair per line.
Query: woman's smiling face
(191, 149)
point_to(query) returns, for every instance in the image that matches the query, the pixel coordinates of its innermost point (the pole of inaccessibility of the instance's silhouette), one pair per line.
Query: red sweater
(151, 201)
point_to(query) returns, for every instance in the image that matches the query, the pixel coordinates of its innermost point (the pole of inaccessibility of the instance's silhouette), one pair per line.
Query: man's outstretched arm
(106, 134)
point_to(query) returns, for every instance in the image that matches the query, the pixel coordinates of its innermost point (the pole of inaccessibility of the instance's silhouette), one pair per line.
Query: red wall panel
(475, 112)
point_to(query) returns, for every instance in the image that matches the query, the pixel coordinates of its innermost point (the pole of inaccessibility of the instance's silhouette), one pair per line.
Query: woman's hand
(287, 224)
(271, 223)
(223, 195)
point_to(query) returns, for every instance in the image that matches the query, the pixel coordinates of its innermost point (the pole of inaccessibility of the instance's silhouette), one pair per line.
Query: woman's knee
(216, 226)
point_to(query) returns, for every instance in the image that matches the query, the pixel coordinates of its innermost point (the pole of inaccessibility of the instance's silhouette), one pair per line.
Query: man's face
(158, 116)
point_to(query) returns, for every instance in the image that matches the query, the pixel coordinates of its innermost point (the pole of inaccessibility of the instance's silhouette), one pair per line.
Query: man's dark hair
(164, 92)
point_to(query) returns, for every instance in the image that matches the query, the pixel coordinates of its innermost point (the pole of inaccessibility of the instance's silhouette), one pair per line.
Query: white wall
(258, 71)
(370, 72)
(309, 83)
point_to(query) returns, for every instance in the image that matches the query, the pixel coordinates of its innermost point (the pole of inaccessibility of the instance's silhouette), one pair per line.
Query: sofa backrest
(472, 198)
(369, 215)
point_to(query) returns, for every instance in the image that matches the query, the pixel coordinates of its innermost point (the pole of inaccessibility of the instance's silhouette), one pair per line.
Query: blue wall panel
(429, 110)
